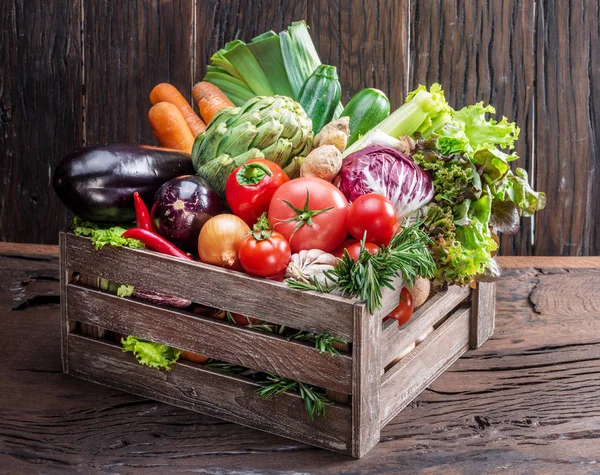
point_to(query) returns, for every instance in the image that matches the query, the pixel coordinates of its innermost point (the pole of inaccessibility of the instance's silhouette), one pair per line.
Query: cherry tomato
(339, 251)
(374, 214)
(354, 250)
(404, 310)
(264, 257)
(249, 188)
(310, 213)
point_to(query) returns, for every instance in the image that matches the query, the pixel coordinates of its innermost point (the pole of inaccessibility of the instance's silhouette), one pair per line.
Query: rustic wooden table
(528, 401)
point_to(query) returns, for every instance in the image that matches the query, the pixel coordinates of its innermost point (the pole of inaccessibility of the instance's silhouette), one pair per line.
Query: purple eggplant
(181, 207)
(97, 183)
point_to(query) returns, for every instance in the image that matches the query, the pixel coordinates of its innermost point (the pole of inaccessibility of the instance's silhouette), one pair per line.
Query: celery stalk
(420, 109)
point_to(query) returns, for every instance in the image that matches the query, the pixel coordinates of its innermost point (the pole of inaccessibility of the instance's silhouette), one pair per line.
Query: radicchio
(383, 170)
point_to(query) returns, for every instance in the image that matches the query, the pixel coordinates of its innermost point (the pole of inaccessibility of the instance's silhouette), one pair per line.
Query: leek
(267, 51)
(247, 66)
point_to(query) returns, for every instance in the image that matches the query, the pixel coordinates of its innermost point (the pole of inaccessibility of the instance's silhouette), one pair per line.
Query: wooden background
(78, 72)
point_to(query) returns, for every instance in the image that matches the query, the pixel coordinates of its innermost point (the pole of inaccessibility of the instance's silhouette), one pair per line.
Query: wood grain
(218, 22)
(568, 79)
(526, 402)
(481, 51)
(214, 338)
(206, 284)
(40, 113)
(365, 382)
(209, 392)
(396, 339)
(417, 370)
(366, 41)
(483, 313)
(129, 47)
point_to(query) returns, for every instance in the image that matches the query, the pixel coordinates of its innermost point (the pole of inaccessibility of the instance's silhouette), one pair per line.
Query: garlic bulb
(313, 263)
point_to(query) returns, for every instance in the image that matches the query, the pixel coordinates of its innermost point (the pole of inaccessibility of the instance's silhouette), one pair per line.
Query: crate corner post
(483, 313)
(365, 382)
(65, 277)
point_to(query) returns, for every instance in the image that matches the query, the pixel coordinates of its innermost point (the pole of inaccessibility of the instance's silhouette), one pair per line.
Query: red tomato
(249, 188)
(242, 320)
(339, 251)
(354, 250)
(264, 257)
(310, 213)
(374, 214)
(280, 277)
(404, 310)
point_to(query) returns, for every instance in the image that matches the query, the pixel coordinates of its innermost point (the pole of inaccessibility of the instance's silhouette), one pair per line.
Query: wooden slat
(129, 47)
(567, 127)
(543, 262)
(389, 299)
(367, 41)
(482, 51)
(215, 338)
(206, 391)
(365, 382)
(411, 375)
(395, 339)
(215, 287)
(483, 313)
(40, 113)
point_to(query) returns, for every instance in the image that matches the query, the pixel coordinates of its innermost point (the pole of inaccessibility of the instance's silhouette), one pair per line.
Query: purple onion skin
(181, 207)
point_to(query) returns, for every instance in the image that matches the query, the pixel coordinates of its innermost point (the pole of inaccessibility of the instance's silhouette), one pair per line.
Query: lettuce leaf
(125, 290)
(516, 189)
(103, 236)
(155, 355)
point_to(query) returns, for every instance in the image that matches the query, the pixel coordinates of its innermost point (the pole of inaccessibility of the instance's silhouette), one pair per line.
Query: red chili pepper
(154, 242)
(142, 216)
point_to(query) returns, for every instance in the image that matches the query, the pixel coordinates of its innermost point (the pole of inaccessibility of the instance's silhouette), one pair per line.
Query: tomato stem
(303, 216)
(252, 173)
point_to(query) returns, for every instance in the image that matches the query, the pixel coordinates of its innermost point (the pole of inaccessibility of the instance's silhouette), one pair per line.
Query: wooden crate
(377, 385)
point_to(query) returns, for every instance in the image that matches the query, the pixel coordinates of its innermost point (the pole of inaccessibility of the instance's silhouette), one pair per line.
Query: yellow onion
(219, 241)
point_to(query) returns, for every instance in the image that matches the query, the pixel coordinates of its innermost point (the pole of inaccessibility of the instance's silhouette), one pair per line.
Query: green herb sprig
(406, 255)
(323, 341)
(314, 399)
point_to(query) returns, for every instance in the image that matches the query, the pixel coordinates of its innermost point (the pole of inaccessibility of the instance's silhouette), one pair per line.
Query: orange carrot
(165, 92)
(170, 127)
(210, 100)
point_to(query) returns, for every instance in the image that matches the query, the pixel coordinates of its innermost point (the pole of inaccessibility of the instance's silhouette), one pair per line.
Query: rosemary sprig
(407, 255)
(225, 367)
(314, 400)
(323, 341)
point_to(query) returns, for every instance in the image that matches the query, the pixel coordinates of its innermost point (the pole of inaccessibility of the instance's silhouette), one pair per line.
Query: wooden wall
(79, 72)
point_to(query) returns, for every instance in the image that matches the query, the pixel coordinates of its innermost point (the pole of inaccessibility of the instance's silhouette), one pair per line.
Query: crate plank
(395, 339)
(366, 382)
(215, 287)
(413, 373)
(207, 336)
(206, 391)
(483, 313)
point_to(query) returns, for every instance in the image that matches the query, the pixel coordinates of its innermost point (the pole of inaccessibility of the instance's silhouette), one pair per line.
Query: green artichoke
(275, 128)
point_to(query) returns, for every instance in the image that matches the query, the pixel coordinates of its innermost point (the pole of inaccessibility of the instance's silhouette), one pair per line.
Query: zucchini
(320, 95)
(366, 109)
